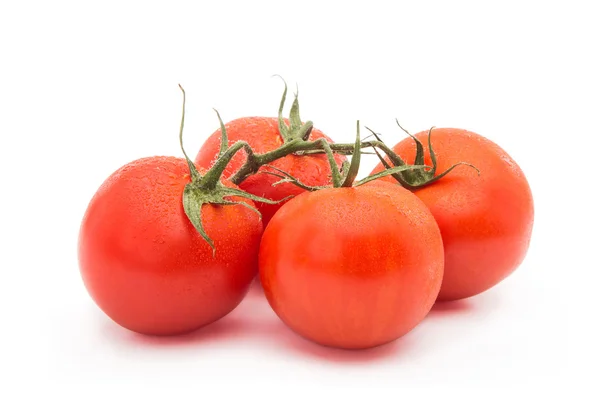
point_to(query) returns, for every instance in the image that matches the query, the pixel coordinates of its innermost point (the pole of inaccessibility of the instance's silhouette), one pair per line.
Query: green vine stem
(349, 170)
(411, 178)
(208, 188)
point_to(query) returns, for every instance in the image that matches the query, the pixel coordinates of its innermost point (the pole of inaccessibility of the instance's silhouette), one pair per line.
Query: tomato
(263, 135)
(352, 267)
(144, 263)
(486, 221)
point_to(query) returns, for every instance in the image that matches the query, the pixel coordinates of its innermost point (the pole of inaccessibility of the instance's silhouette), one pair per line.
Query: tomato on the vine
(352, 267)
(145, 264)
(486, 220)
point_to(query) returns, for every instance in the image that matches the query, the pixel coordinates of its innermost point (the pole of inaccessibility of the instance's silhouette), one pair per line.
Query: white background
(87, 87)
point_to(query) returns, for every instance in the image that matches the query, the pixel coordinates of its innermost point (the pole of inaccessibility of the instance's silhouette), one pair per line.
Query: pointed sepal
(296, 129)
(355, 161)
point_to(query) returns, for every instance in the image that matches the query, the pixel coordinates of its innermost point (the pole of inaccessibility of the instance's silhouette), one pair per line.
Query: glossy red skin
(146, 266)
(486, 221)
(263, 135)
(352, 267)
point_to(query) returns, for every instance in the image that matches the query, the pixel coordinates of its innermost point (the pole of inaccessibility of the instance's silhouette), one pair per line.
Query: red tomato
(263, 135)
(485, 220)
(144, 263)
(352, 267)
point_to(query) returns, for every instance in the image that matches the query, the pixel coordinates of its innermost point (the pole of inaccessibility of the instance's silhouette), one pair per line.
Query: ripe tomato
(485, 221)
(144, 263)
(263, 135)
(352, 267)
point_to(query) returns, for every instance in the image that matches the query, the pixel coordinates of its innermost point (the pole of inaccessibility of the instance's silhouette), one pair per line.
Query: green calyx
(195, 196)
(208, 189)
(418, 177)
(296, 129)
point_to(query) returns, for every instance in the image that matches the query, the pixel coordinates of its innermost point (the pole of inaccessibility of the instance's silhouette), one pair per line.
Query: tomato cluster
(168, 245)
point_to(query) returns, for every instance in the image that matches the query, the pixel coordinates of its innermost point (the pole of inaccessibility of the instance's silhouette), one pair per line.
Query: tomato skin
(352, 267)
(262, 133)
(146, 266)
(486, 221)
